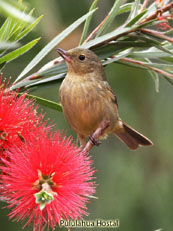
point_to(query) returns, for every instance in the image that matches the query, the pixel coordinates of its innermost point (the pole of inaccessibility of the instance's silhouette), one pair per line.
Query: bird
(87, 99)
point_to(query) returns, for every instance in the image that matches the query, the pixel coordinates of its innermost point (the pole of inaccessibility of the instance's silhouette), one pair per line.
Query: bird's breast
(86, 105)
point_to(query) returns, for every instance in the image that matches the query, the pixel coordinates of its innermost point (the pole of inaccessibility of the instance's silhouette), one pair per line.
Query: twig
(151, 17)
(99, 131)
(154, 15)
(144, 5)
(148, 67)
(156, 34)
(96, 29)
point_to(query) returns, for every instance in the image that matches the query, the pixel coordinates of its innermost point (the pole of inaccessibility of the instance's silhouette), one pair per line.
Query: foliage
(137, 42)
(13, 30)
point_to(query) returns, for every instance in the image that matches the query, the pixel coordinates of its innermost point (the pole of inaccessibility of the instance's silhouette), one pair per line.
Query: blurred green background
(133, 186)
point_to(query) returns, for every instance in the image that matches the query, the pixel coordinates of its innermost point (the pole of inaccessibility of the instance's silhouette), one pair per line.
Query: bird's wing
(111, 93)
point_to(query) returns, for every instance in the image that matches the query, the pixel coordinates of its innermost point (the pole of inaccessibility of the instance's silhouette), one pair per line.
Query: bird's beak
(64, 54)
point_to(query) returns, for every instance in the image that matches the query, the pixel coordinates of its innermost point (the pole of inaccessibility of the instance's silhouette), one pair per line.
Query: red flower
(46, 180)
(163, 25)
(18, 117)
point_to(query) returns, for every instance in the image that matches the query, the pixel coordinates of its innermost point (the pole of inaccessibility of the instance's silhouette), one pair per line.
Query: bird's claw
(94, 141)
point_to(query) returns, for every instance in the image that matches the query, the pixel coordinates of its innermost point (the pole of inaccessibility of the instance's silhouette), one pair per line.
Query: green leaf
(148, 67)
(149, 23)
(46, 102)
(103, 52)
(29, 28)
(17, 27)
(134, 10)
(22, 84)
(36, 82)
(87, 23)
(152, 42)
(125, 8)
(123, 54)
(46, 80)
(14, 54)
(111, 17)
(136, 19)
(167, 59)
(4, 29)
(57, 69)
(52, 44)
(152, 52)
(163, 66)
(155, 77)
(104, 38)
(9, 9)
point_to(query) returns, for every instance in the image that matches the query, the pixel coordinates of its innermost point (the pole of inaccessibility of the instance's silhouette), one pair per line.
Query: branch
(96, 29)
(95, 136)
(159, 71)
(156, 34)
(149, 18)
(145, 3)
(154, 15)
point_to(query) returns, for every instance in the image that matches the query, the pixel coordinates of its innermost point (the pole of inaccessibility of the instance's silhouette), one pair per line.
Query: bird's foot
(94, 141)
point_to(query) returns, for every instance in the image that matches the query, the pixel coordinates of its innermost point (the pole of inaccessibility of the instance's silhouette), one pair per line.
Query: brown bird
(87, 99)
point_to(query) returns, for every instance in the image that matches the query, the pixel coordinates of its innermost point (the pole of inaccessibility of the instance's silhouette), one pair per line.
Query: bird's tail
(131, 137)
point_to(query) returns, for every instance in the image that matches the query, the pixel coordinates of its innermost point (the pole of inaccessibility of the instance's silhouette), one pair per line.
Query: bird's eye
(81, 57)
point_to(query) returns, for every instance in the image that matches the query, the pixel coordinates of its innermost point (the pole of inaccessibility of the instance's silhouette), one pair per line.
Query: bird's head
(81, 61)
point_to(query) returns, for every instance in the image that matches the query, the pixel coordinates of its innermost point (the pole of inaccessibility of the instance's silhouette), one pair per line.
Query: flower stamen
(3, 135)
(46, 194)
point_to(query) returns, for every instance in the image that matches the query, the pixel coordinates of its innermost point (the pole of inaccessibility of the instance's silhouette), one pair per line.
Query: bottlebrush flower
(18, 118)
(163, 25)
(46, 180)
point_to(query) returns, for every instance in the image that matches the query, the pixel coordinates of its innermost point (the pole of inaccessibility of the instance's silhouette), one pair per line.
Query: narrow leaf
(125, 8)
(163, 66)
(111, 17)
(4, 29)
(46, 80)
(87, 22)
(119, 56)
(167, 59)
(21, 84)
(150, 53)
(14, 54)
(17, 27)
(152, 42)
(8, 9)
(137, 18)
(146, 66)
(31, 83)
(134, 10)
(155, 77)
(52, 44)
(29, 28)
(46, 102)
(105, 38)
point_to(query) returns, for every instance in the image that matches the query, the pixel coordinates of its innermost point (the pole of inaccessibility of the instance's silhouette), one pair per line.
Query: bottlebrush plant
(19, 118)
(44, 177)
(46, 180)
